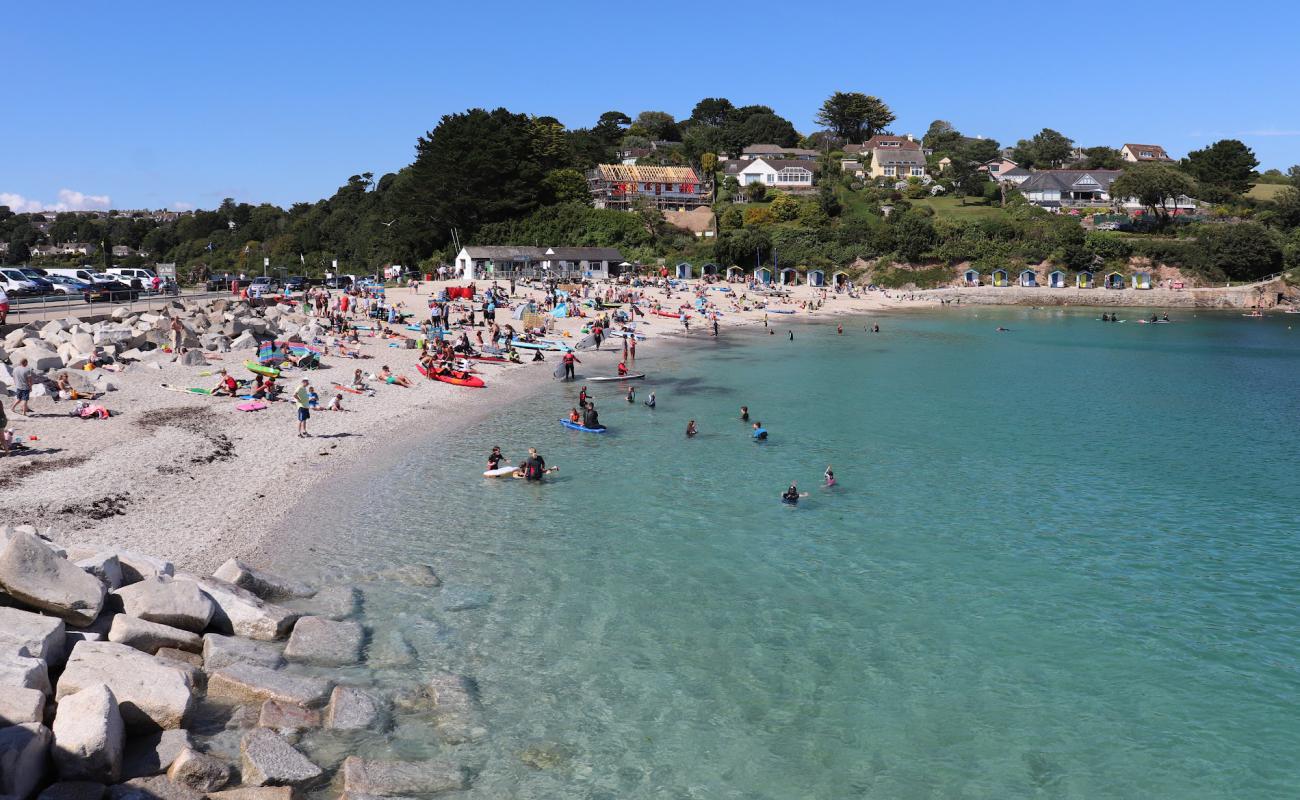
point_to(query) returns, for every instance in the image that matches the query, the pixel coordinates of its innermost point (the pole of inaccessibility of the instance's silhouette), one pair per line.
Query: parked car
(221, 283)
(16, 283)
(110, 292)
(296, 283)
(145, 275)
(65, 285)
(339, 282)
(263, 286)
(43, 284)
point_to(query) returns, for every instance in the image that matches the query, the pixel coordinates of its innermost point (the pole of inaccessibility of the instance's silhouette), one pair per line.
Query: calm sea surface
(1062, 562)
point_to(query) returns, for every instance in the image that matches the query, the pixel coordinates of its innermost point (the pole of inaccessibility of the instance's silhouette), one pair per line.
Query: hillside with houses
(737, 188)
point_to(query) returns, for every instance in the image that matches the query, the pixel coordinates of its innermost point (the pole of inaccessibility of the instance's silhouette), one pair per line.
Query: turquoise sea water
(1062, 562)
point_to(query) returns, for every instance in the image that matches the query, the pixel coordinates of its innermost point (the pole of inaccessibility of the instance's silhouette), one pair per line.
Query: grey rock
(151, 636)
(269, 760)
(464, 598)
(199, 771)
(20, 705)
(73, 790)
(285, 717)
(42, 636)
(137, 566)
(221, 651)
(335, 602)
(242, 613)
(254, 793)
(181, 656)
(391, 650)
(153, 754)
(158, 787)
(389, 778)
(23, 671)
(253, 683)
(39, 357)
(168, 601)
(412, 575)
(23, 753)
(193, 358)
(458, 715)
(89, 735)
(33, 574)
(151, 693)
(351, 708)
(266, 585)
(325, 642)
(104, 566)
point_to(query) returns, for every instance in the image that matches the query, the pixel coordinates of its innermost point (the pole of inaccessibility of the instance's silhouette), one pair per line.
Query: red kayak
(490, 359)
(455, 378)
(673, 314)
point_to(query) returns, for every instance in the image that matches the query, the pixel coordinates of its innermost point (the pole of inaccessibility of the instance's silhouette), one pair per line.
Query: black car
(110, 292)
(295, 283)
(221, 283)
(338, 282)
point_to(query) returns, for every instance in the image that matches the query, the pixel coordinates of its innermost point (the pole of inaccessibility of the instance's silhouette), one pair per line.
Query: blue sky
(134, 104)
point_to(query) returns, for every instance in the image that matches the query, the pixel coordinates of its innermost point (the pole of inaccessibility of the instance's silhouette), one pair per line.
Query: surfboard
(256, 405)
(500, 472)
(187, 390)
(632, 377)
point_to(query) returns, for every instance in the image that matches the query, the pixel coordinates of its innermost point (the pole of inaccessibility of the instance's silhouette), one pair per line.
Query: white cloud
(181, 206)
(69, 200)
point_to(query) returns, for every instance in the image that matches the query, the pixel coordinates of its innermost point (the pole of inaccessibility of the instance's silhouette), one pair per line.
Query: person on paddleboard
(589, 417)
(830, 476)
(622, 369)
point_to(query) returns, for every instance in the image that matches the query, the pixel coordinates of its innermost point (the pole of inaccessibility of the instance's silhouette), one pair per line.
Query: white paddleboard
(500, 472)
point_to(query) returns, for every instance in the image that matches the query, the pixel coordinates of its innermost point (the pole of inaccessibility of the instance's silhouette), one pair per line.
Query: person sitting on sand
(63, 388)
(387, 376)
(226, 386)
(337, 403)
(259, 388)
(358, 380)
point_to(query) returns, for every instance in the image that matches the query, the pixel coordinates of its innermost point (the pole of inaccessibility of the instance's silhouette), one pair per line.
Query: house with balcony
(1080, 188)
(775, 173)
(895, 157)
(1145, 154)
(618, 187)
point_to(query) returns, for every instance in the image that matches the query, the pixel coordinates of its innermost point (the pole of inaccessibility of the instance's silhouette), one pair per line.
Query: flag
(303, 259)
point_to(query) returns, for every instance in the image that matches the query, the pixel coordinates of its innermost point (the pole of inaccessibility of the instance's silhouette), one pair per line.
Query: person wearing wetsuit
(830, 476)
(760, 432)
(690, 429)
(495, 458)
(569, 360)
(582, 397)
(534, 466)
(744, 413)
(589, 417)
(650, 401)
(791, 495)
(631, 394)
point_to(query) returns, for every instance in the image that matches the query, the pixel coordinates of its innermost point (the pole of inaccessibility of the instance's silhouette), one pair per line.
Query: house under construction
(616, 186)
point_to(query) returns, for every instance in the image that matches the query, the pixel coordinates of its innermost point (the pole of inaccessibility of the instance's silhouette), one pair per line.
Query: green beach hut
(1084, 280)
(1142, 280)
(763, 275)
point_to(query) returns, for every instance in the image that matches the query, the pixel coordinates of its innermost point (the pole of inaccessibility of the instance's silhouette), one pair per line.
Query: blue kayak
(575, 426)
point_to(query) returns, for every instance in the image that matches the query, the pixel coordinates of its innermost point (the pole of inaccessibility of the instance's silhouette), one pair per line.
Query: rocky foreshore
(122, 677)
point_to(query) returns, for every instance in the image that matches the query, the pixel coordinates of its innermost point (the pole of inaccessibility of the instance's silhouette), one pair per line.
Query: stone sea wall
(1246, 297)
(122, 677)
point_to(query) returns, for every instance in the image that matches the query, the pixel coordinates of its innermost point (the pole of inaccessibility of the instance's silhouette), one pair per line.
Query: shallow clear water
(1062, 562)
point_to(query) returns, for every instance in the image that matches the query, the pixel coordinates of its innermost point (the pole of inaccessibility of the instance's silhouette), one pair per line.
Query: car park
(110, 292)
(16, 283)
(65, 285)
(260, 287)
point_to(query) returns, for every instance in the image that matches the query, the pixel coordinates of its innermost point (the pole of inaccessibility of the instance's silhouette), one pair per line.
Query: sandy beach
(192, 479)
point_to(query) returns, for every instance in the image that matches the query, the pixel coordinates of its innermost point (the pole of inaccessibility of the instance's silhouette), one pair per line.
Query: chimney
(909, 138)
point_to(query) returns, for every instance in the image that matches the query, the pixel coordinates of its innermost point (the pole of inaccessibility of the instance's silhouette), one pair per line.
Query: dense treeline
(496, 177)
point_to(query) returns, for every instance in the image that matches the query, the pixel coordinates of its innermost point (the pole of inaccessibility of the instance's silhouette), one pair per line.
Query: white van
(83, 274)
(145, 275)
(14, 281)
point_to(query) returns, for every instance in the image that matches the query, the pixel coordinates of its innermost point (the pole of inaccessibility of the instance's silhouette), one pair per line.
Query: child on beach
(337, 403)
(313, 399)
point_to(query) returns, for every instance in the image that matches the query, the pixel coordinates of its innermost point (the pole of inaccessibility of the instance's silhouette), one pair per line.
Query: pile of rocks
(113, 665)
(210, 326)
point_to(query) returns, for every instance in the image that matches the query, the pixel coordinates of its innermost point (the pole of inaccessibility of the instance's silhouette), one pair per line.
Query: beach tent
(1142, 280)
(709, 269)
(683, 270)
(1056, 280)
(1084, 280)
(1028, 278)
(1114, 281)
(816, 277)
(735, 273)
(561, 311)
(971, 277)
(763, 275)
(1000, 277)
(789, 276)
(840, 279)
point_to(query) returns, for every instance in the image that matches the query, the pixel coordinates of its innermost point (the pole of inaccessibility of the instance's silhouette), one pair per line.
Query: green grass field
(951, 207)
(1266, 191)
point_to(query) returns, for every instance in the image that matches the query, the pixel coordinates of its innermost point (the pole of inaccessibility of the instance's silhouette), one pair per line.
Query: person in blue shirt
(760, 432)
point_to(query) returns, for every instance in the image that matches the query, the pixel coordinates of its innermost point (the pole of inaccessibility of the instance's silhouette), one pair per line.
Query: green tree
(828, 201)
(755, 192)
(979, 150)
(658, 125)
(1242, 251)
(1048, 149)
(712, 111)
(709, 165)
(732, 217)
(1154, 186)
(767, 129)
(1226, 166)
(784, 207)
(942, 137)
(1102, 158)
(566, 186)
(611, 126)
(853, 116)
(913, 234)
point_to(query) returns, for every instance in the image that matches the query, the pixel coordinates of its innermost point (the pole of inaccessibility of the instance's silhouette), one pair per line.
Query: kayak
(632, 377)
(575, 426)
(1157, 322)
(253, 366)
(490, 359)
(455, 378)
(672, 314)
(500, 472)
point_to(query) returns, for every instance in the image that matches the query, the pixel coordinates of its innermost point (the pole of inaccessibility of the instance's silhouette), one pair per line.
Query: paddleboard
(631, 377)
(500, 472)
(575, 426)
(779, 311)
(558, 372)
(185, 390)
(253, 406)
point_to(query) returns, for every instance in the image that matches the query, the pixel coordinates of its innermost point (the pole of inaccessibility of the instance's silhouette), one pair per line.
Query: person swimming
(791, 496)
(690, 429)
(830, 476)
(744, 413)
(631, 394)
(760, 432)
(650, 401)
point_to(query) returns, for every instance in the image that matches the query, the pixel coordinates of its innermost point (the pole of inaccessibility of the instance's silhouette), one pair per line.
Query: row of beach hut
(786, 276)
(1057, 280)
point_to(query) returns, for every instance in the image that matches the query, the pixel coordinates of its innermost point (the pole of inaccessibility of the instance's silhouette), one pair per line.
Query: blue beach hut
(1028, 278)
(763, 275)
(1114, 280)
(816, 278)
(683, 270)
(1056, 279)
(971, 277)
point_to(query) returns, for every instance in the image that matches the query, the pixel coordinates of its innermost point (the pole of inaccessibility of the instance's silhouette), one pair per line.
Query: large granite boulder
(154, 753)
(73, 790)
(254, 793)
(221, 651)
(168, 601)
(287, 717)
(158, 787)
(19, 706)
(353, 709)
(105, 566)
(23, 671)
(362, 776)
(42, 636)
(24, 750)
(254, 684)
(151, 636)
(199, 771)
(39, 357)
(242, 613)
(269, 760)
(325, 642)
(89, 736)
(458, 716)
(152, 694)
(36, 576)
(266, 585)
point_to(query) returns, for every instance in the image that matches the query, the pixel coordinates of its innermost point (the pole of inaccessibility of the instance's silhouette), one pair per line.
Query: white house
(583, 262)
(1072, 188)
(1145, 153)
(775, 173)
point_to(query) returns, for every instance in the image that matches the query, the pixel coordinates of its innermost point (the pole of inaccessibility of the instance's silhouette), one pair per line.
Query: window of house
(1146, 154)
(890, 171)
(771, 178)
(793, 175)
(918, 172)
(994, 167)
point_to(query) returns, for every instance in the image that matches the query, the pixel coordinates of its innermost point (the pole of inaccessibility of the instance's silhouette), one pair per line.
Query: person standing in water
(791, 335)
(650, 401)
(631, 394)
(744, 413)
(830, 476)
(839, 329)
(569, 360)
(760, 433)
(534, 467)
(690, 429)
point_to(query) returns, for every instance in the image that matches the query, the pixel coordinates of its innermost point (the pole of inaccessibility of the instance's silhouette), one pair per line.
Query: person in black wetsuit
(744, 413)
(589, 417)
(495, 458)
(534, 467)
(791, 495)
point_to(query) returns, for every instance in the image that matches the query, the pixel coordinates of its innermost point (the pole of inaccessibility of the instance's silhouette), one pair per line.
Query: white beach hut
(763, 275)
(1028, 278)
(971, 277)
(683, 270)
